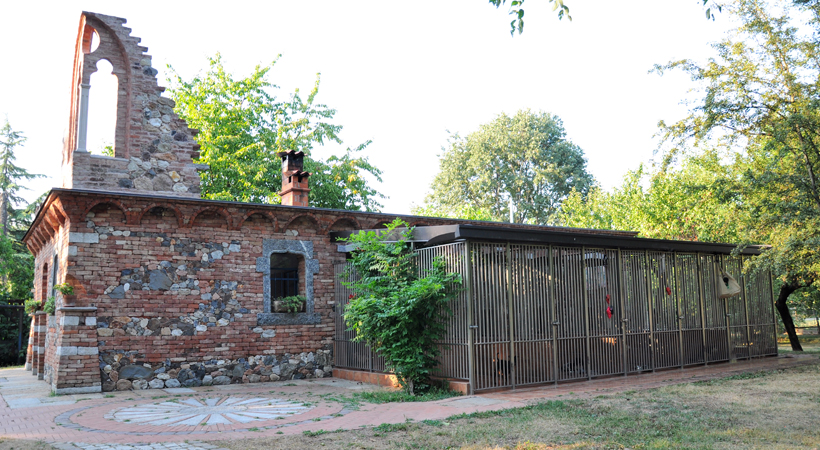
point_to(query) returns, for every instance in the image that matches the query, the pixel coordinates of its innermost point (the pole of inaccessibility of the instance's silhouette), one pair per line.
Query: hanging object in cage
(727, 285)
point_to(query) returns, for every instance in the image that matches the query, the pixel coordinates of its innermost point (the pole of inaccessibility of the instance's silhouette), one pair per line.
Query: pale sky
(399, 73)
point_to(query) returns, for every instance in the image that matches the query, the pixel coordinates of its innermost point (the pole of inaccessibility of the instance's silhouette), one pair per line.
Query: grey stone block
(135, 371)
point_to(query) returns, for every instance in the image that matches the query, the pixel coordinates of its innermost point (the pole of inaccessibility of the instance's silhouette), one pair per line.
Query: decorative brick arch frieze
(221, 211)
(379, 224)
(299, 248)
(310, 217)
(169, 206)
(115, 203)
(419, 223)
(344, 218)
(274, 221)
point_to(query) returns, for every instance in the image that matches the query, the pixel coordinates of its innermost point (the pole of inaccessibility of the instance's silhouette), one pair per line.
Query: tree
(243, 125)
(760, 97)
(684, 200)
(517, 11)
(806, 304)
(10, 174)
(524, 160)
(398, 312)
(16, 263)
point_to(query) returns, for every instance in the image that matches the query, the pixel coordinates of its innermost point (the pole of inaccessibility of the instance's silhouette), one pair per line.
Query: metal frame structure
(540, 312)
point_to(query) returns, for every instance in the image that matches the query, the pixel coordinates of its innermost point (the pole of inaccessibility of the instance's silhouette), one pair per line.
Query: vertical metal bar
(510, 316)
(745, 309)
(676, 298)
(651, 308)
(702, 309)
(468, 280)
(726, 313)
(586, 310)
(623, 309)
(19, 333)
(553, 308)
(774, 317)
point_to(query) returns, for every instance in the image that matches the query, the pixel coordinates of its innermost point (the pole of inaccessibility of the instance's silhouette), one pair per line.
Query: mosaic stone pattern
(209, 411)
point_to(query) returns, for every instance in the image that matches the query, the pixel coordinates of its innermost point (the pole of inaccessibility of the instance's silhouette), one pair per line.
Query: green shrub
(397, 312)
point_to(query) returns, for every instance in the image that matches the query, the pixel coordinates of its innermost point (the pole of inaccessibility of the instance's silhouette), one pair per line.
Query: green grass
(399, 396)
(767, 410)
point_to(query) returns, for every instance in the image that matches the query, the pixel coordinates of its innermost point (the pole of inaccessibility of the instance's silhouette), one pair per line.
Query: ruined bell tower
(153, 148)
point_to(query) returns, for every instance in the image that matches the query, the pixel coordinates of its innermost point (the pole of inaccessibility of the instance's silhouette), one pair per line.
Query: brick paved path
(178, 419)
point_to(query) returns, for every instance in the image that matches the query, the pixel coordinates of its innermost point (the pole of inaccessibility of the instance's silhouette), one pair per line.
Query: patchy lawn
(810, 344)
(767, 410)
(18, 444)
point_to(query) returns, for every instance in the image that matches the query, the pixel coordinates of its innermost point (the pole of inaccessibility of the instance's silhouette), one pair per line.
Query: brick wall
(75, 365)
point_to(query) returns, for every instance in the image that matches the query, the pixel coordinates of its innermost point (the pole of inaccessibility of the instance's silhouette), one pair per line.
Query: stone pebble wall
(192, 294)
(123, 371)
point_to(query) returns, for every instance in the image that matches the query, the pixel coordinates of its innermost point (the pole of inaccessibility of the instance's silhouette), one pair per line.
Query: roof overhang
(443, 234)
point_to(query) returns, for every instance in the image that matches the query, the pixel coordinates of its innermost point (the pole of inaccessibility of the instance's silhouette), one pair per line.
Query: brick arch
(380, 224)
(221, 211)
(168, 206)
(351, 219)
(112, 49)
(125, 214)
(274, 221)
(420, 223)
(300, 216)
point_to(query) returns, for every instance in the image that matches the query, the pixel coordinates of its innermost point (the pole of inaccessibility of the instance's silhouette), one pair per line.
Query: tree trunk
(786, 316)
(817, 321)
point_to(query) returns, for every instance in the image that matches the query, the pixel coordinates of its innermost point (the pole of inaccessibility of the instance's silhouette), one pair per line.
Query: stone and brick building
(171, 289)
(174, 290)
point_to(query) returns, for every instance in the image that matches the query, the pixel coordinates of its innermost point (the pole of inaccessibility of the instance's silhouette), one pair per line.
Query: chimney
(294, 180)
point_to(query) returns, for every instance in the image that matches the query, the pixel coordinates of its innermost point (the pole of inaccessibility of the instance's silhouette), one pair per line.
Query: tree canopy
(687, 201)
(243, 125)
(16, 263)
(524, 160)
(743, 165)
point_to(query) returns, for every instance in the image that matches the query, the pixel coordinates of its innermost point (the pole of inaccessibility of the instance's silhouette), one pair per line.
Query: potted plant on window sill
(50, 306)
(67, 292)
(32, 306)
(292, 304)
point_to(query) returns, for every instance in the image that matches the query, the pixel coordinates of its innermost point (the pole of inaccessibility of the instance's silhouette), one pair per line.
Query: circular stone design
(209, 411)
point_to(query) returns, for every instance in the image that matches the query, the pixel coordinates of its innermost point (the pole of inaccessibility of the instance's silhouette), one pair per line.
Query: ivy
(398, 312)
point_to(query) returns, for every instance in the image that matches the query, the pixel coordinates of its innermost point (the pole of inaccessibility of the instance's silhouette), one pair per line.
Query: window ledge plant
(292, 304)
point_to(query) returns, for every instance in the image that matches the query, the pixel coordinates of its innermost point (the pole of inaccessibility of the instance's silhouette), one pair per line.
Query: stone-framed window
(298, 250)
(284, 275)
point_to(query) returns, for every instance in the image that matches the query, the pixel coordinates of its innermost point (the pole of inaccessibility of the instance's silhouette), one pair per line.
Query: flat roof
(443, 234)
